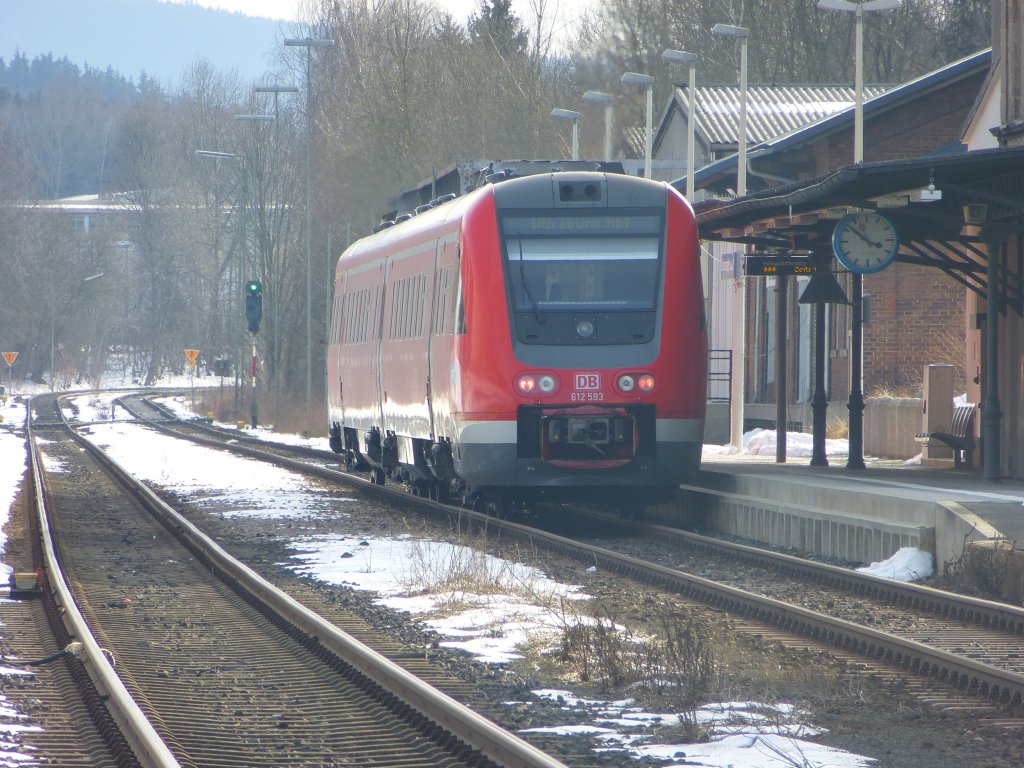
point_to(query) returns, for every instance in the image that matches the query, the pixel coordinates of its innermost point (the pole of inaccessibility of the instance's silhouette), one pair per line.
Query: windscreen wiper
(526, 286)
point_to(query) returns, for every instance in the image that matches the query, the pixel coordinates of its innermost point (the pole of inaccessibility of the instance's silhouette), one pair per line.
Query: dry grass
(291, 417)
(986, 570)
(673, 660)
(837, 428)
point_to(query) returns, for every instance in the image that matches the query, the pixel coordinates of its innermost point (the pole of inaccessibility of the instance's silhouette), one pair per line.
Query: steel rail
(140, 734)
(965, 607)
(497, 744)
(980, 678)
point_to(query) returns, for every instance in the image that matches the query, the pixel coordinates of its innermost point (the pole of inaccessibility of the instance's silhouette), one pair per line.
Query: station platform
(856, 515)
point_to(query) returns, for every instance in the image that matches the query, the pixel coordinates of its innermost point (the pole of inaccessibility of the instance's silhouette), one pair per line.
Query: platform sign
(779, 265)
(10, 357)
(192, 354)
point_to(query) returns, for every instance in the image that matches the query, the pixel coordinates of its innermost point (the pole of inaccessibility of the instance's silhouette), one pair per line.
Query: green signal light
(253, 286)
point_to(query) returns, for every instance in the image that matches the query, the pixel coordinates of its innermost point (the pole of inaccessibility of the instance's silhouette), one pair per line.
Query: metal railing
(719, 375)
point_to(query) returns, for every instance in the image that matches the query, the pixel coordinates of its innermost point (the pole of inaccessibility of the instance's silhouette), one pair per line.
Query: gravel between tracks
(861, 714)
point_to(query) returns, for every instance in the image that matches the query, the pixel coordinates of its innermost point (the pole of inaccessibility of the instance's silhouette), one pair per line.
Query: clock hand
(864, 237)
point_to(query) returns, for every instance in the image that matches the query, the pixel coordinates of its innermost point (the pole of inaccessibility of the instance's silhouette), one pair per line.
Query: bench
(960, 436)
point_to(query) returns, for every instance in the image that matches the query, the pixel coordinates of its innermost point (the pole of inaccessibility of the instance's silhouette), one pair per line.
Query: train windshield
(603, 263)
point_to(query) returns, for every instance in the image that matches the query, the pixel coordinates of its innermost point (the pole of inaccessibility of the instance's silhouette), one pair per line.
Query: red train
(539, 337)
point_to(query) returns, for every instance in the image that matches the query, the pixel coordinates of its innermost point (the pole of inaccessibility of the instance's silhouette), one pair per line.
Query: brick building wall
(917, 313)
(916, 318)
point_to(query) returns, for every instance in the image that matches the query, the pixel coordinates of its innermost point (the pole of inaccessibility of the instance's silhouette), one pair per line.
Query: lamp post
(53, 372)
(690, 59)
(568, 114)
(648, 82)
(236, 283)
(309, 43)
(739, 336)
(741, 34)
(599, 97)
(856, 403)
(275, 271)
(258, 257)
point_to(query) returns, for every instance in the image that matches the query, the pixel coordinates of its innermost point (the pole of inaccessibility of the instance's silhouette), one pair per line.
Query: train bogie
(542, 337)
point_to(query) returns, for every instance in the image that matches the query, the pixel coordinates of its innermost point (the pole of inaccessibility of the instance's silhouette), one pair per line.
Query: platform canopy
(926, 198)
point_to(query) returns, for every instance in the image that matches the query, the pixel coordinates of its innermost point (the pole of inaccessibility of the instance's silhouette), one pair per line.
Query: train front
(605, 371)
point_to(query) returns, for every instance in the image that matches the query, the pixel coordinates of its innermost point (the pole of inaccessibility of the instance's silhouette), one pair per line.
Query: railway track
(969, 647)
(222, 667)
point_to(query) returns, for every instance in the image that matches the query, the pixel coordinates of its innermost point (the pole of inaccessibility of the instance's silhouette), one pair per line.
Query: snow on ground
(401, 571)
(761, 442)
(908, 564)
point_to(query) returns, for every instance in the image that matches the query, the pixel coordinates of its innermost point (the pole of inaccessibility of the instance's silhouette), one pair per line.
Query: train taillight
(536, 384)
(628, 382)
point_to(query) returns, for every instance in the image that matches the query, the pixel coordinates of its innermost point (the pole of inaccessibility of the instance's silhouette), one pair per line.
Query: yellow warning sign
(191, 354)
(10, 357)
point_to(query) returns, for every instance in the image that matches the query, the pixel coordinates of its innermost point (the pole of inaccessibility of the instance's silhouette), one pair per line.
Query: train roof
(516, 174)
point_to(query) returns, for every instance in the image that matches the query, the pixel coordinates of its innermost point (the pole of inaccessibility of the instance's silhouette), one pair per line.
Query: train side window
(441, 286)
(364, 318)
(414, 285)
(460, 310)
(348, 320)
(393, 330)
(421, 301)
(337, 317)
(376, 301)
(407, 307)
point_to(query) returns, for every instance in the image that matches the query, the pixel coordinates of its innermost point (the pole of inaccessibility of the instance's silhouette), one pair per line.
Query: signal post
(253, 315)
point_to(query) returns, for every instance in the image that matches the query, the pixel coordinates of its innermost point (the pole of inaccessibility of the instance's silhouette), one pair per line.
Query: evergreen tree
(496, 25)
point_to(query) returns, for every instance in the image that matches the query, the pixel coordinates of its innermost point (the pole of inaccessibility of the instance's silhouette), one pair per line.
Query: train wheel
(377, 475)
(492, 502)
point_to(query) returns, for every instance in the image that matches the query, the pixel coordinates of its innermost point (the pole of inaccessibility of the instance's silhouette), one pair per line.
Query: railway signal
(253, 304)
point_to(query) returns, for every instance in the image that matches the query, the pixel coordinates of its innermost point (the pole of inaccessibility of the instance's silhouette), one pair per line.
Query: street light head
(212, 153)
(565, 114)
(256, 118)
(865, 7)
(636, 78)
(309, 42)
(880, 5)
(598, 97)
(683, 56)
(728, 30)
(275, 89)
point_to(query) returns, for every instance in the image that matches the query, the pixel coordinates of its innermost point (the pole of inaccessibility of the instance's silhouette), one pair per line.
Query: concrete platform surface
(856, 514)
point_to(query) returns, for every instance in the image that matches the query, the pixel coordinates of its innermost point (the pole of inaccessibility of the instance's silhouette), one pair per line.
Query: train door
(357, 391)
(380, 293)
(403, 355)
(335, 391)
(443, 322)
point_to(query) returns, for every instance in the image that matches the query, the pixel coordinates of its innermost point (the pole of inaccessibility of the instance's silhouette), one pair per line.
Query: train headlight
(626, 382)
(585, 329)
(536, 383)
(646, 383)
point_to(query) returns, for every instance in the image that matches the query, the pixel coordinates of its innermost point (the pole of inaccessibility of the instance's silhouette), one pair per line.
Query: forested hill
(133, 37)
(20, 77)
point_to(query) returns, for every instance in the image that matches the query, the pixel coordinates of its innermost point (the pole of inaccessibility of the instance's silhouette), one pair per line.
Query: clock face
(865, 242)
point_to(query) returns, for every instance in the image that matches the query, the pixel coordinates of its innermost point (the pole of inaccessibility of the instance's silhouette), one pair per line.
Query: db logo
(588, 381)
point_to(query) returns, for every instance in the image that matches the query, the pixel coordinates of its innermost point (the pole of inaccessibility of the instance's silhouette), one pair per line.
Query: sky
(289, 10)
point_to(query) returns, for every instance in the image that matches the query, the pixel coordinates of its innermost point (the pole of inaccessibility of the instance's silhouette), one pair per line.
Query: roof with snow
(772, 110)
